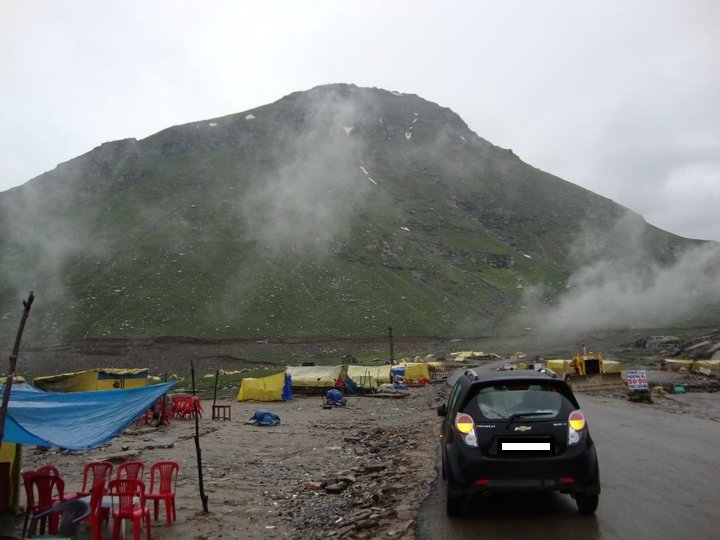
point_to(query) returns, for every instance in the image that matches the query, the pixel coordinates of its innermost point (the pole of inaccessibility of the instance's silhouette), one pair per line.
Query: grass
(157, 239)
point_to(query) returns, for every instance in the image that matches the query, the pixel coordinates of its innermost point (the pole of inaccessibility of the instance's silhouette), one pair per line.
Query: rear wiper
(513, 417)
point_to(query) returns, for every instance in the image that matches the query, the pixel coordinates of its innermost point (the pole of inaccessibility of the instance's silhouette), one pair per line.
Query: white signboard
(636, 380)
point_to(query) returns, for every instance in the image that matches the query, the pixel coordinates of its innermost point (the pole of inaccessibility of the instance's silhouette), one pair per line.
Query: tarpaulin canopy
(20, 386)
(76, 420)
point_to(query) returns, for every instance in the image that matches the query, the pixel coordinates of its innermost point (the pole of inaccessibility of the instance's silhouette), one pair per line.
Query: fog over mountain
(333, 212)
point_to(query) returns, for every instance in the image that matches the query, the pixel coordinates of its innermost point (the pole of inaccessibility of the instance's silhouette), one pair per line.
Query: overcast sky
(621, 97)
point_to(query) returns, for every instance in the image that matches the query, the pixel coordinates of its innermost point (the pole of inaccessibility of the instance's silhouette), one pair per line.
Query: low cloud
(306, 204)
(628, 289)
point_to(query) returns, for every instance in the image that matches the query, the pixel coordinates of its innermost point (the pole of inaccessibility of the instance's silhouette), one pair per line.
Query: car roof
(482, 378)
(525, 374)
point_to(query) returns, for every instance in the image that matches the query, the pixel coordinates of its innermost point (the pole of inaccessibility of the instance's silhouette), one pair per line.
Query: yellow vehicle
(588, 372)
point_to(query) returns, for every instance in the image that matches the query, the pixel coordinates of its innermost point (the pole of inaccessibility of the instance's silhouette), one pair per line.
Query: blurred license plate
(518, 446)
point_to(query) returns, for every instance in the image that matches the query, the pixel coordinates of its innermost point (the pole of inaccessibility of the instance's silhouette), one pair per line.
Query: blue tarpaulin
(335, 397)
(76, 420)
(264, 418)
(287, 389)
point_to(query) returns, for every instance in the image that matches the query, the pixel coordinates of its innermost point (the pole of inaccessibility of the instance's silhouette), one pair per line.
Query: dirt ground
(359, 471)
(267, 482)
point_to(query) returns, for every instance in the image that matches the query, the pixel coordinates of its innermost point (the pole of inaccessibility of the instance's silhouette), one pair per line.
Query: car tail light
(464, 423)
(466, 426)
(576, 423)
(567, 480)
(576, 420)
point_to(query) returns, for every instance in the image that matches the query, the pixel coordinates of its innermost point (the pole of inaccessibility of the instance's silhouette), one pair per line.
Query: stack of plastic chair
(185, 406)
(182, 406)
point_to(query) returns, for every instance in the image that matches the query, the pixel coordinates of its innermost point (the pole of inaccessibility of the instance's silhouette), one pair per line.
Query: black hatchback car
(516, 431)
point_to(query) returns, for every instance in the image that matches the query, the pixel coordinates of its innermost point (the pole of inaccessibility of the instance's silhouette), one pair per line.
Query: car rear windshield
(502, 400)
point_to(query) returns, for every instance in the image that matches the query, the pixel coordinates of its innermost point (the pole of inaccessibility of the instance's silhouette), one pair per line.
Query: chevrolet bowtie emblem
(523, 428)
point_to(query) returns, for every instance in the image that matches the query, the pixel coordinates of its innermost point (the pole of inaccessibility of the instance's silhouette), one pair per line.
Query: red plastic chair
(92, 472)
(30, 498)
(179, 406)
(49, 469)
(39, 490)
(185, 406)
(131, 470)
(161, 412)
(97, 516)
(130, 495)
(164, 488)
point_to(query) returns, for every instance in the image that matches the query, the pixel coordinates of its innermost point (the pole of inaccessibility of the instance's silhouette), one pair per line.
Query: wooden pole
(217, 376)
(392, 354)
(13, 363)
(198, 451)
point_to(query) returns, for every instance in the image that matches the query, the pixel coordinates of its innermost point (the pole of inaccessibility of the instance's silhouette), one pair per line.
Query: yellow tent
(263, 389)
(369, 376)
(612, 366)
(675, 365)
(436, 367)
(94, 379)
(415, 372)
(315, 376)
(16, 379)
(713, 365)
(462, 356)
(559, 366)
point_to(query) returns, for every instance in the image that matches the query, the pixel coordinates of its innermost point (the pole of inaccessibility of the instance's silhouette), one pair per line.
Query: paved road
(660, 477)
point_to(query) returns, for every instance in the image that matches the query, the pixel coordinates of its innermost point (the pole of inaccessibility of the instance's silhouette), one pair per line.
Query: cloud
(628, 290)
(306, 203)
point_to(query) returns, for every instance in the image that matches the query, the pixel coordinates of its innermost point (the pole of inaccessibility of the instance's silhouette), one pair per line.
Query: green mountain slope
(331, 213)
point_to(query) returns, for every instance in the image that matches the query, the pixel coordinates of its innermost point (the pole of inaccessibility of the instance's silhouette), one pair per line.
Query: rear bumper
(576, 471)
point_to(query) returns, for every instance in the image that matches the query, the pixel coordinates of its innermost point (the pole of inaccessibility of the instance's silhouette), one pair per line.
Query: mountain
(333, 212)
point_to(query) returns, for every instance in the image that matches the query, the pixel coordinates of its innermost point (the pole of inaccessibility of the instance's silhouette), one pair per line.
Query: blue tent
(76, 420)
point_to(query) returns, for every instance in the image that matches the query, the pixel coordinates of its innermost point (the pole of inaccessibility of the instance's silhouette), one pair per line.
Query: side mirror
(441, 410)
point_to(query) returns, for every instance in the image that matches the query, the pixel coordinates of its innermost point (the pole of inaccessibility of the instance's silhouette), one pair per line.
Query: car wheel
(453, 505)
(587, 504)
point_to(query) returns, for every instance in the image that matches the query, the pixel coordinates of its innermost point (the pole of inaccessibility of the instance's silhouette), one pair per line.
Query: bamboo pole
(198, 451)
(13, 363)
